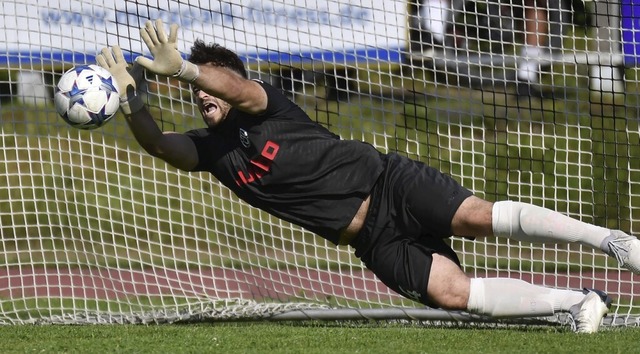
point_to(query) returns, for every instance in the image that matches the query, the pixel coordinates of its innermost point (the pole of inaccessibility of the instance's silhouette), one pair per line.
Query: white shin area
(506, 297)
(534, 224)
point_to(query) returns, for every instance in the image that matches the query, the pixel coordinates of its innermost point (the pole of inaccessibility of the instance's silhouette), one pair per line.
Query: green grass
(310, 338)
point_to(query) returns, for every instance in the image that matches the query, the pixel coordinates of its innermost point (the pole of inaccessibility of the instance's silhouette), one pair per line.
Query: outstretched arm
(243, 94)
(176, 149)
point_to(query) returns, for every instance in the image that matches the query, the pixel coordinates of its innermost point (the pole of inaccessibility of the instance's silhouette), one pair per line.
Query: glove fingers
(146, 38)
(105, 58)
(173, 33)
(152, 32)
(117, 53)
(102, 61)
(157, 32)
(149, 35)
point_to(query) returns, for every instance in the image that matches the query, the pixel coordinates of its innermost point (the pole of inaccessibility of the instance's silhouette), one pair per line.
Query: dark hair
(216, 55)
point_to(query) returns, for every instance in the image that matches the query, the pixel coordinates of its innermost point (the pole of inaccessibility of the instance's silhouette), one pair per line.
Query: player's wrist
(188, 72)
(131, 104)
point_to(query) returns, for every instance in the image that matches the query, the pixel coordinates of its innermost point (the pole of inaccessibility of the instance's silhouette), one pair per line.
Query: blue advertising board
(630, 24)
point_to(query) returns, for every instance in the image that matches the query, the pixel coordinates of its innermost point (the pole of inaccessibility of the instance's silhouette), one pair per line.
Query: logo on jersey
(413, 295)
(244, 138)
(260, 165)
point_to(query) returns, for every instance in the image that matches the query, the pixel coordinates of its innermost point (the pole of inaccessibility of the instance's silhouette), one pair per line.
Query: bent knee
(448, 285)
(473, 218)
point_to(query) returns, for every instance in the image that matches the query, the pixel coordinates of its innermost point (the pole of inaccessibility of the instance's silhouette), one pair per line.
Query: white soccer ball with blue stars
(87, 96)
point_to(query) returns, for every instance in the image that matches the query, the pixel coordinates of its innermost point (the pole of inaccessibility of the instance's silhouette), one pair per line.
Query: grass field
(310, 338)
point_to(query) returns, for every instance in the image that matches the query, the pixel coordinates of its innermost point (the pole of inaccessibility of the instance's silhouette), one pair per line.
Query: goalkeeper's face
(213, 109)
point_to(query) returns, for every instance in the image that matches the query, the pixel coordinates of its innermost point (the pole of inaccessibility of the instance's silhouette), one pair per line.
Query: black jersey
(289, 166)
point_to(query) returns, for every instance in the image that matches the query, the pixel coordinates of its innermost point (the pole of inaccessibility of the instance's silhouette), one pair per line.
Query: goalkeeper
(394, 212)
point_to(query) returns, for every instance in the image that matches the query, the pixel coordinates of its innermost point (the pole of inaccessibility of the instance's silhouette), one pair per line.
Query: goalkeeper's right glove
(127, 78)
(167, 60)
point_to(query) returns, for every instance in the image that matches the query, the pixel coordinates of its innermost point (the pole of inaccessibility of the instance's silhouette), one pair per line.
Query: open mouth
(209, 107)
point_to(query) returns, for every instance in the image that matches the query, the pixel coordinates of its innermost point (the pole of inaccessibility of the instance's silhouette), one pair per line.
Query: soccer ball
(87, 96)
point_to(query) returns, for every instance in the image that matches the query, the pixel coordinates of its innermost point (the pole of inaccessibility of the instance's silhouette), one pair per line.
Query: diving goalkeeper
(394, 212)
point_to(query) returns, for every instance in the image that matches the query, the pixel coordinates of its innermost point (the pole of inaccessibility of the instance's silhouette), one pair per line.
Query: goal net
(94, 230)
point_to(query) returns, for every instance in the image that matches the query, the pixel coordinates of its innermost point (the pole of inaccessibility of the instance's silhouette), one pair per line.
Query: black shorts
(409, 217)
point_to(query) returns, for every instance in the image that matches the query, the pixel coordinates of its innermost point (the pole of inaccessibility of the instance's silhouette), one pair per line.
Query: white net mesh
(94, 230)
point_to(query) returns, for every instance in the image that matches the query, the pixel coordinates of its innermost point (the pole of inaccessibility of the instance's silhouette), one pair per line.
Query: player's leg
(426, 270)
(449, 288)
(535, 47)
(400, 249)
(526, 222)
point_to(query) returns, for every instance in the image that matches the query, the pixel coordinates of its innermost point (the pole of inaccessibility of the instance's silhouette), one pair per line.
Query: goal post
(94, 230)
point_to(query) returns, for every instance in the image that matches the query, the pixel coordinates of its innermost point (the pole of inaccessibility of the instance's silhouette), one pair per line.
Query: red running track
(255, 283)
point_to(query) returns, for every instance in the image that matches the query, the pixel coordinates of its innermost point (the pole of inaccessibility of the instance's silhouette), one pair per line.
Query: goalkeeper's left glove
(167, 60)
(127, 78)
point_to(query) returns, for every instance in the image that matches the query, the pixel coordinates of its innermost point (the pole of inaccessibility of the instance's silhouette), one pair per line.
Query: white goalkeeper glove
(167, 60)
(127, 78)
